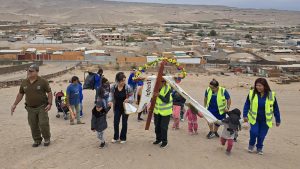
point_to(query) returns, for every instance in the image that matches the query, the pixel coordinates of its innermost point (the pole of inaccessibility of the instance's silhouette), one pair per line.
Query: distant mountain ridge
(109, 12)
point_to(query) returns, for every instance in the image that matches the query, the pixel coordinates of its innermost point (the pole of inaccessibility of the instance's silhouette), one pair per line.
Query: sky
(259, 4)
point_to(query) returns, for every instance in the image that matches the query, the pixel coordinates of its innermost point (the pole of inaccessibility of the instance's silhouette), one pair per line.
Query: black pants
(117, 117)
(161, 127)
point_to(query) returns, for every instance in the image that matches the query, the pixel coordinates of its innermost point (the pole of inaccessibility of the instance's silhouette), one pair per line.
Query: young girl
(231, 126)
(191, 115)
(99, 122)
(178, 103)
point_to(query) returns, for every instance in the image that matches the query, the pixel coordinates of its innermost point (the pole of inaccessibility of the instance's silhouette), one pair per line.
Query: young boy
(99, 122)
(231, 126)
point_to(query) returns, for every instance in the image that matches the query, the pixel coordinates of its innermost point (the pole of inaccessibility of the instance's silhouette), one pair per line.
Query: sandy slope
(76, 146)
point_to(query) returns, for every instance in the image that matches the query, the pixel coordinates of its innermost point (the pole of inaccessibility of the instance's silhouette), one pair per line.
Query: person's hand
(110, 104)
(226, 110)
(93, 130)
(13, 108)
(245, 119)
(126, 101)
(48, 107)
(277, 124)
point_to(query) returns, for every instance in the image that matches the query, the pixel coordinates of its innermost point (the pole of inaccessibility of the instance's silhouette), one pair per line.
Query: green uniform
(35, 103)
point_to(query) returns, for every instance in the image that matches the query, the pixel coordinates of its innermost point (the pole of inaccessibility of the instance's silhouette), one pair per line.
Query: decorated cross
(163, 61)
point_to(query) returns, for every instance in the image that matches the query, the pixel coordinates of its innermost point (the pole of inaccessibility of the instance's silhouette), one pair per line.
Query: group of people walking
(259, 109)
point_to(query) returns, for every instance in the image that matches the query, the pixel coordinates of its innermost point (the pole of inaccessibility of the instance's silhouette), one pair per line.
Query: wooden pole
(156, 90)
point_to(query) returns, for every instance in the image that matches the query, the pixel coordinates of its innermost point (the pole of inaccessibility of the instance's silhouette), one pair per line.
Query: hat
(34, 67)
(99, 104)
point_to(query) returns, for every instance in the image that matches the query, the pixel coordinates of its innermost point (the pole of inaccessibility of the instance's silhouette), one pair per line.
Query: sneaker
(36, 144)
(47, 143)
(228, 152)
(80, 122)
(182, 120)
(251, 149)
(163, 145)
(102, 145)
(140, 119)
(72, 123)
(210, 135)
(123, 142)
(260, 152)
(113, 141)
(216, 134)
(156, 142)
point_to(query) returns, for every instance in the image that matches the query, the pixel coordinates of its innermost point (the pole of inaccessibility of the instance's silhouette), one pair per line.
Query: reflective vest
(269, 108)
(161, 107)
(221, 100)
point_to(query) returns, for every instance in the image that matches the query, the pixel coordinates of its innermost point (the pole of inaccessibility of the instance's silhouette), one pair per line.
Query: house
(112, 37)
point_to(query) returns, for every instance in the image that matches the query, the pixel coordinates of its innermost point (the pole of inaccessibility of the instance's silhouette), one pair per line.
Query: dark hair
(193, 109)
(120, 76)
(264, 82)
(214, 83)
(104, 80)
(100, 71)
(74, 78)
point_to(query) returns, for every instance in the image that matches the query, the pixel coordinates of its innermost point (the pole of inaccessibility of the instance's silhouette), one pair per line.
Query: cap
(34, 67)
(99, 104)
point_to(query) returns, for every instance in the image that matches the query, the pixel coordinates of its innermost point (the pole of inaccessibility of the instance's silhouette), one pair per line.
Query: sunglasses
(31, 71)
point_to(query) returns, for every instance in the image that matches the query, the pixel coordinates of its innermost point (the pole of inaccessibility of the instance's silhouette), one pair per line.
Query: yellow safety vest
(269, 108)
(161, 107)
(221, 100)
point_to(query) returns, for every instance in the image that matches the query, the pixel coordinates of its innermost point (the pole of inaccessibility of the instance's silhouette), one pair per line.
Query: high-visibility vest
(269, 108)
(161, 107)
(221, 100)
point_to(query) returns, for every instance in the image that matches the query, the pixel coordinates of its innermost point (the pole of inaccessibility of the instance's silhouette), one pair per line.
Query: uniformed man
(38, 101)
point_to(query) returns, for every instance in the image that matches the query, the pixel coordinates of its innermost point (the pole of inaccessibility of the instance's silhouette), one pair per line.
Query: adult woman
(259, 108)
(120, 93)
(217, 101)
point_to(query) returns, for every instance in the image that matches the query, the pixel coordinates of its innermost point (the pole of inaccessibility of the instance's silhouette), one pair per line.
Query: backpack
(89, 82)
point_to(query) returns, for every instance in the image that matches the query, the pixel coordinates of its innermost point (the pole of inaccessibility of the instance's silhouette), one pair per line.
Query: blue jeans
(258, 132)
(117, 117)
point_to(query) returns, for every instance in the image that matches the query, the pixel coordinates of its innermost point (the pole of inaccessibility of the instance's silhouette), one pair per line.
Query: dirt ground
(77, 146)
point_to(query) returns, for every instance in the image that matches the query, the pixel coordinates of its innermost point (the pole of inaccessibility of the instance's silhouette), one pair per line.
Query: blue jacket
(261, 117)
(131, 82)
(98, 81)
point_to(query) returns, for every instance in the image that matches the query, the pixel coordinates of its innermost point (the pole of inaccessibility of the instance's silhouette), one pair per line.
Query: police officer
(38, 101)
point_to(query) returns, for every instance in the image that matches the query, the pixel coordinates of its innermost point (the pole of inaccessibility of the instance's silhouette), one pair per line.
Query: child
(178, 103)
(231, 126)
(191, 115)
(99, 122)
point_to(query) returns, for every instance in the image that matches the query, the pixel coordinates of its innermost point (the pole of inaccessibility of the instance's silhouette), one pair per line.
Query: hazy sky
(267, 4)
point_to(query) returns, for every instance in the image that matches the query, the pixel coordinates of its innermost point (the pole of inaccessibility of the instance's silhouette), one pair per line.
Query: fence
(49, 76)
(10, 69)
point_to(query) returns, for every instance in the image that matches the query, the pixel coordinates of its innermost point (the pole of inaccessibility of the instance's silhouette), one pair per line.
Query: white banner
(147, 93)
(207, 115)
